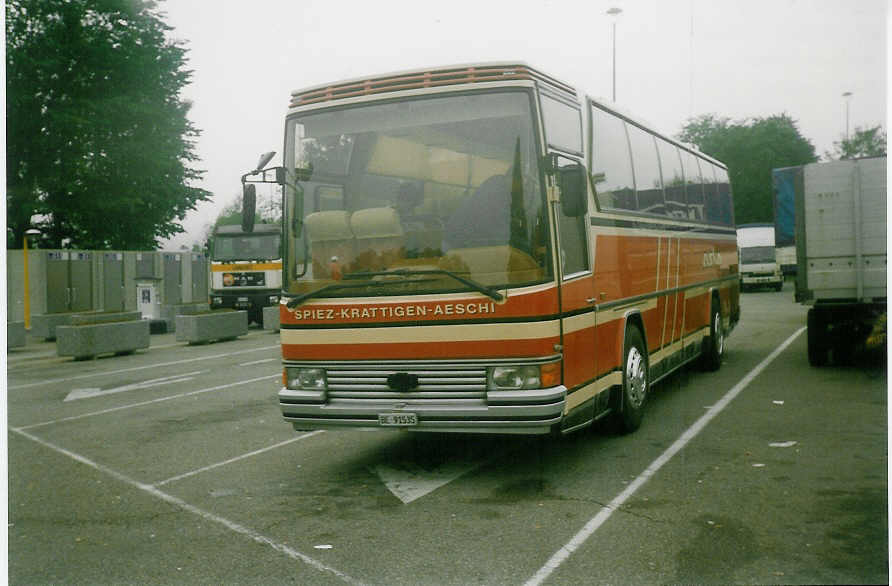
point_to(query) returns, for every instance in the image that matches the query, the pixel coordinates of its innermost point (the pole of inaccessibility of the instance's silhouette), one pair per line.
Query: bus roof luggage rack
(425, 79)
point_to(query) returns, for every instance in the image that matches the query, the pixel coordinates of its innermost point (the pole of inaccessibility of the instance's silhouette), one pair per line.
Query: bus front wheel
(629, 407)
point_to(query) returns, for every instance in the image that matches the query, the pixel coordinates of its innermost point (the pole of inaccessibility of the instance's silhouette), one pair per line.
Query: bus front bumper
(501, 412)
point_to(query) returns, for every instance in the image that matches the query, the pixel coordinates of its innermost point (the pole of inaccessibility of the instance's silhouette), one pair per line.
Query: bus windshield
(246, 247)
(422, 195)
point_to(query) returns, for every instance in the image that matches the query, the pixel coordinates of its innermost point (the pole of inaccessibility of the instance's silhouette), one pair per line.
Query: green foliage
(269, 211)
(866, 142)
(751, 149)
(98, 140)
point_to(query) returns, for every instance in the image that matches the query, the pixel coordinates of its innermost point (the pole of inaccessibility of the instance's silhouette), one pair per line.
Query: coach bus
(485, 249)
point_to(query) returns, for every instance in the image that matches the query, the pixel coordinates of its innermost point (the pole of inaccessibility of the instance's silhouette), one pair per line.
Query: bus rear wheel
(715, 343)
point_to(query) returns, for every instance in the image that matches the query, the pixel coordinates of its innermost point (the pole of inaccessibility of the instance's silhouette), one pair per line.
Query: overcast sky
(674, 59)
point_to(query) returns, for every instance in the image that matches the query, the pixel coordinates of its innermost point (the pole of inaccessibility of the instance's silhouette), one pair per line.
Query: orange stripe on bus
(426, 350)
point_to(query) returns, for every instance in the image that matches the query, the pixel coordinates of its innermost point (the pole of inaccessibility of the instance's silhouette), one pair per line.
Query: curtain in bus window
(611, 162)
(648, 183)
(673, 180)
(693, 185)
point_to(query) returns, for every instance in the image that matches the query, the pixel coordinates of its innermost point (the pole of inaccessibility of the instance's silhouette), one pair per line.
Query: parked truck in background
(246, 268)
(783, 181)
(841, 255)
(758, 261)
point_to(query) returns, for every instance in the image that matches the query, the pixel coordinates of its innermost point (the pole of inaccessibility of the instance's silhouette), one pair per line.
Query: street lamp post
(614, 12)
(847, 96)
(28, 233)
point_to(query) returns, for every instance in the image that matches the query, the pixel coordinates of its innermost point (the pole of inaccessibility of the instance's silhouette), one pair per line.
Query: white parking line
(237, 458)
(143, 403)
(259, 361)
(135, 368)
(92, 392)
(231, 525)
(561, 555)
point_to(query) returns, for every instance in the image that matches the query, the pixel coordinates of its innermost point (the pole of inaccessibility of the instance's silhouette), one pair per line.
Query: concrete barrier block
(271, 318)
(169, 313)
(44, 325)
(88, 341)
(201, 328)
(15, 334)
(81, 319)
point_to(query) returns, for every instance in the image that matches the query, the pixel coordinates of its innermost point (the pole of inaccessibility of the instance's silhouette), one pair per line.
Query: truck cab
(758, 257)
(246, 268)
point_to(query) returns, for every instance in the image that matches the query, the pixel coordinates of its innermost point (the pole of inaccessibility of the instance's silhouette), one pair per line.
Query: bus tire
(818, 343)
(714, 345)
(632, 396)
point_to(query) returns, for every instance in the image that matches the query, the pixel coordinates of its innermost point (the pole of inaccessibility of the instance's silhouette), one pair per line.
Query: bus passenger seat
(379, 237)
(332, 243)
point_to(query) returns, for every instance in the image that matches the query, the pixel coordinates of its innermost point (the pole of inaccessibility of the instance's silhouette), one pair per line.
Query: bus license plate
(397, 419)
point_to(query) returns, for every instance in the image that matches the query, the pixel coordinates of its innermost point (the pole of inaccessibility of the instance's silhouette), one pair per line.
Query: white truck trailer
(758, 261)
(841, 256)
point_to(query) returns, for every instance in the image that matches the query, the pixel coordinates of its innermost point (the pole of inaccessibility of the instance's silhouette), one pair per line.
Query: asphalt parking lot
(173, 466)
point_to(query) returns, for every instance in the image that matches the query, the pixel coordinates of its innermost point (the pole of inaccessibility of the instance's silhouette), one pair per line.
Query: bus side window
(693, 185)
(573, 228)
(673, 180)
(648, 184)
(611, 162)
(722, 208)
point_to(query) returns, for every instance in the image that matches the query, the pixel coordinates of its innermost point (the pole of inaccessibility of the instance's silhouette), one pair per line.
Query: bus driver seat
(477, 237)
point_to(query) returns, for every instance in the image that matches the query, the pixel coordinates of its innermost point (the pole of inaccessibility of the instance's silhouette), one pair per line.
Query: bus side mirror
(249, 203)
(571, 180)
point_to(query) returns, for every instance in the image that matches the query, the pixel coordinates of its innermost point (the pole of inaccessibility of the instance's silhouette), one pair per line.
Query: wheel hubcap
(636, 377)
(719, 334)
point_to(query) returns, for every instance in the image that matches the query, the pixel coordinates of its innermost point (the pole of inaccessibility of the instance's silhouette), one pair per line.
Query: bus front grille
(433, 382)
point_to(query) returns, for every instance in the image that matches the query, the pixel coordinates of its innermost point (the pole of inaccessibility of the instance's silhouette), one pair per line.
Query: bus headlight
(305, 379)
(521, 377)
(504, 378)
(273, 299)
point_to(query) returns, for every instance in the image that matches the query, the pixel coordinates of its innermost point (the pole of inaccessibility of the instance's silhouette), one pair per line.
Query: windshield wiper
(489, 292)
(295, 301)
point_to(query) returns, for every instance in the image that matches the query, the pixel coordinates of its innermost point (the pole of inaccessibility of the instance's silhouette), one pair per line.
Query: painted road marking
(259, 361)
(409, 481)
(237, 458)
(96, 392)
(135, 368)
(150, 402)
(561, 555)
(231, 525)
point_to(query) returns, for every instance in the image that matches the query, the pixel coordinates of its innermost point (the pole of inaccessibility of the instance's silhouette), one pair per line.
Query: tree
(866, 142)
(268, 210)
(751, 149)
(98, 140)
